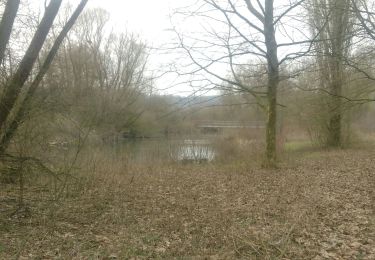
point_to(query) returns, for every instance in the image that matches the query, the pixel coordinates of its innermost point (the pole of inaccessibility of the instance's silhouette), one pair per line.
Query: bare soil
(316, 205)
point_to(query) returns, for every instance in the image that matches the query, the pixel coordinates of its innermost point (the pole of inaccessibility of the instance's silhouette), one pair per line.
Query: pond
(182, 150)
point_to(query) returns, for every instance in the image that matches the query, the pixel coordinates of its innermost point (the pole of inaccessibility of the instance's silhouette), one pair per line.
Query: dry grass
(317, 205)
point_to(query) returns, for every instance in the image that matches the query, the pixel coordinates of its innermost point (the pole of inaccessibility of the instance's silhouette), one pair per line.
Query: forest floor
(318, 204)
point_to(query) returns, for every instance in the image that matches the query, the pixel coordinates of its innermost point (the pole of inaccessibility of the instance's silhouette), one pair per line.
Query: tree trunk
(14, 87)
(6, 25)
(335, 39)
(340, 27)
(20, 114)
(273, 82)
(271, 123)
(334, 130)
(334, 137)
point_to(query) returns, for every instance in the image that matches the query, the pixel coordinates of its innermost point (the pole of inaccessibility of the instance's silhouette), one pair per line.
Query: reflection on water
(187, 150)
(195, 150)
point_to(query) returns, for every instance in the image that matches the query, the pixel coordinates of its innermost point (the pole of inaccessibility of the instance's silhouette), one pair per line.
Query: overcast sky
(147, 17)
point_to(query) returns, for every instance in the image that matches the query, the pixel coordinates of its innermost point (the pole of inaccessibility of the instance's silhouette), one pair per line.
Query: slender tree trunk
(334, 138)
(24, 106)
(14, 87)
(271, 123)
(334, 127)
(340, 27)
(6, 25)
(273, 82)
(336, 36)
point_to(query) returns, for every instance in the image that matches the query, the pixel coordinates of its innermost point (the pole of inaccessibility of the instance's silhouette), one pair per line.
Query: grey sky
(150, 19)
(147, 17)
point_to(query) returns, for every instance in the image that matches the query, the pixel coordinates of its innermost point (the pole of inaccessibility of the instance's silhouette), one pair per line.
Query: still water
(183, 150)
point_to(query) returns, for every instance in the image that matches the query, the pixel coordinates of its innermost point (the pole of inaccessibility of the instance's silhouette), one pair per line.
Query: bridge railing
(230, 124)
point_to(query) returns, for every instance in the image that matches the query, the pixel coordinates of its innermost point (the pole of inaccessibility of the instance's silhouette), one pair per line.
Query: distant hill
(193, 101)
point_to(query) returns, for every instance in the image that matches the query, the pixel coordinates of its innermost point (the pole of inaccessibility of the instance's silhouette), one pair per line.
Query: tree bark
(20, 114)
(273, 82)
(6, 25)
(340, 27)
(15, 85)
(334, 138)
(336, 36)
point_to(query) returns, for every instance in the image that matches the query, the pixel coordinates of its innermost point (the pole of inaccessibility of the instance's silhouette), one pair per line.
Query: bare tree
(365, 16)
(25, 103)
(101, 74)
(334, 20)
(12, 104)
(10, 13)
(255, 33)
(13, 88)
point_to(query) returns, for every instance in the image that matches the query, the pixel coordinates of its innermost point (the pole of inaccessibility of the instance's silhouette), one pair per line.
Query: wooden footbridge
(217, 125)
